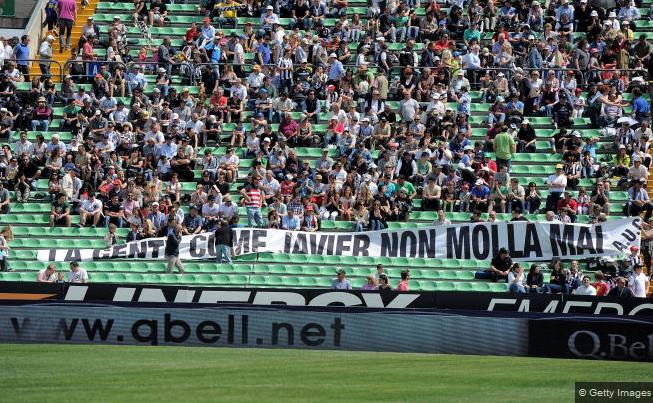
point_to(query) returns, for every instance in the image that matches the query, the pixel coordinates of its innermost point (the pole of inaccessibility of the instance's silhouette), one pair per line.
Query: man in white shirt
(91, 208)
(47, 275)
(557, 184)
(45, 55)
(119, 115)
(155, 133)
(77, 274)
(270, 186)
(638, 170)
(5, 50)
(586, 288)
(23, 145)
(229, 165)
(239, 56)
(638, 282)
(442, 219)
(227, 209)
(68, 184)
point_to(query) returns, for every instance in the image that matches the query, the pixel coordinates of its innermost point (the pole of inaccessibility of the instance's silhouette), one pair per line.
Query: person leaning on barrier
(47, 275)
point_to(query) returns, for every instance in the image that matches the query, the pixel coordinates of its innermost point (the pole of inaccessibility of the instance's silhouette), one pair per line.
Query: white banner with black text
(526, 241)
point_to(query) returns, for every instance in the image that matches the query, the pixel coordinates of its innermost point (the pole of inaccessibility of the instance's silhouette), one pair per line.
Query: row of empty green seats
(256, 281)
(258, 269)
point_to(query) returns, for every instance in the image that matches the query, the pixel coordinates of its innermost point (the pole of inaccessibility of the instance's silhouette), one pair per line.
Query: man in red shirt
(569, 205)
(253, 199)
(288, 127)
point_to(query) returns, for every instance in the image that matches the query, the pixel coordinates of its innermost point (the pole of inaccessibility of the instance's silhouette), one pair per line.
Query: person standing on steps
(67, 17)
(223, 242)
(172, 249)
(45, 55)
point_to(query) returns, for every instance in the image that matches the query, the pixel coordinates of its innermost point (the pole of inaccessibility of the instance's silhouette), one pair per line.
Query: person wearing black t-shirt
(205, 180)
(31, 171)
(301, 17)
(517, 215)
(526, 138)
(60, 211)
(499, 267)
(222, 184)
(562, 113)
(113, 212)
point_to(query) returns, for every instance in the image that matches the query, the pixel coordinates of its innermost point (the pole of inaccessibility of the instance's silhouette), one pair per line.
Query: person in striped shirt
(253, 199)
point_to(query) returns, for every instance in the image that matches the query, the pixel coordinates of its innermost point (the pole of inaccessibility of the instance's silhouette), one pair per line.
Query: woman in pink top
(403, 284)
(67, 17)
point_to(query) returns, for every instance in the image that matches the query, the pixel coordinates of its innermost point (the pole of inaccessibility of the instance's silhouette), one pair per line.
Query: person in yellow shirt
(228, 11)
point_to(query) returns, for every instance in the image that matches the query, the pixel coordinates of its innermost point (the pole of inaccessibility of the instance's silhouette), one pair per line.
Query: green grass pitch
(84, 373)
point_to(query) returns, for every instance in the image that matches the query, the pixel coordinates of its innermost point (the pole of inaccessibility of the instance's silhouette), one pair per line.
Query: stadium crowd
(134, 143)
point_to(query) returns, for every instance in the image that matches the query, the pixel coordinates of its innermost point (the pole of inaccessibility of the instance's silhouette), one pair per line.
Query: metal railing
(52, 61)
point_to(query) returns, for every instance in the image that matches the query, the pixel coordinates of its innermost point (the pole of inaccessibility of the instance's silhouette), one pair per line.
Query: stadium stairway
(82, 16)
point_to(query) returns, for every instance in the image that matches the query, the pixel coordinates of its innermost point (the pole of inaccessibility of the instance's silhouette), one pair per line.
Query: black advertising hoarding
(454, 300)
(600, 339)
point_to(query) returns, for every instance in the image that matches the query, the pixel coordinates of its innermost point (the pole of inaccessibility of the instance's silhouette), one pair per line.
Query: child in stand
(464, 196)
(587, 165)
(111, 238)
(564, 217)
(448, 196)
(579, 105)
(583, 202)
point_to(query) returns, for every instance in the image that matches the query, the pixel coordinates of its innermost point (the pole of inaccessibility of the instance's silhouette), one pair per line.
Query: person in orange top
(403, 284)
(442, 44)
(601, 286)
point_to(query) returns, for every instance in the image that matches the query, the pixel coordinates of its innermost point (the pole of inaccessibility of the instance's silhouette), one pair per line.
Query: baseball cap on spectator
(98, 113)
(333, 55)
(612, 14)
(558, 166)
(594, 13)
(479, 182)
